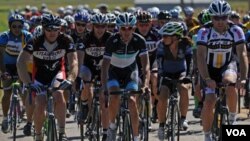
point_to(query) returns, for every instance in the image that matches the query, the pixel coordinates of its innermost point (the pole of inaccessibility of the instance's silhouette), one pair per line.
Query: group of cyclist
(132, 50)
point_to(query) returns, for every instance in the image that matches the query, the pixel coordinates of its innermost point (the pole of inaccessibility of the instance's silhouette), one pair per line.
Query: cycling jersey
(151, 40)
(123, 55)
(123, 71)
(49, 59)
(247, 35)
(220, 46)
(194, 31)
(13, 45)
(173, 67)
(94, 50)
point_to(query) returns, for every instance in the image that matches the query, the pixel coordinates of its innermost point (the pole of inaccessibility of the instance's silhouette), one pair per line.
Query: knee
(59, 97)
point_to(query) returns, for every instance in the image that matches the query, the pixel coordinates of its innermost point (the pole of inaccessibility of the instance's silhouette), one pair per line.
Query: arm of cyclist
(104, 72)
(145, 69)
(23, 74)
(242, 55)
(2, 66)
(189, 60)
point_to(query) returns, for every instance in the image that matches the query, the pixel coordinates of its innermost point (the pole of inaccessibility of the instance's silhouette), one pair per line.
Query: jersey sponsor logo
(214, 35)
(54, 55)
(52, 67)
(220, 44)
(97, 64)
(13, 48)
(71, 46)
(239, 34)
(151, 45)
(203, 34)
(95, 51)
(79, 45)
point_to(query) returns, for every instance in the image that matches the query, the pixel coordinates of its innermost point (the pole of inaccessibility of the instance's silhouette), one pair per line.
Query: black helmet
(164, 15)
(143, 16)
(50, 21)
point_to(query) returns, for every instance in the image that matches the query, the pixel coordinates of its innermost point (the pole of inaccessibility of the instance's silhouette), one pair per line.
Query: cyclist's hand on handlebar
(241, 84)
(65, 84)
(145, 90)
(35, 87)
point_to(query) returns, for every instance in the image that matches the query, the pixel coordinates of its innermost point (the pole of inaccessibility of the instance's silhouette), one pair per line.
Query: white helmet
(38, 31)
(219, 8)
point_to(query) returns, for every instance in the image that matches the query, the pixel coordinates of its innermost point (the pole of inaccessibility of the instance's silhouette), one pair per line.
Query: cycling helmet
(111, 18)
(172, 28)
(38, 31)
(246, 18)
(16, 17)
(234, 14)
(69, 19)
(126, 19)
(64, 23)
(82, 17)
(50, 21)
(143, 16)
(154, 11)
(200, 15)
(164, 15)
(188, 10)
(206, 17)
(174, 13)
(99, 19)
(35, 20)
(178, 8)
(219, 8)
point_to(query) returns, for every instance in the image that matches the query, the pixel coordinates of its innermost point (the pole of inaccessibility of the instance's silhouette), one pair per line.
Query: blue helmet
(99, 19)
(82, 17)
(126, 19)
(16, 17)
(174, 13)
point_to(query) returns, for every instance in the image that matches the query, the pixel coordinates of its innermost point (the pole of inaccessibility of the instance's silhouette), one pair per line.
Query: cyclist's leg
(86, 95)
(60, 103)
(39, 111)
(29, 108)
(6, 104)
(162, 108)
(230, 76)
(154, 96)
(184, 102)
(133, 85)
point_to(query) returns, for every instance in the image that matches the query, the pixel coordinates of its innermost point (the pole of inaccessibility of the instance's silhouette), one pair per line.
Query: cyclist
(49, 51)
(111, 25)
(190, 20)
(119, 64)
(11, 42)
(90, 60)
(163, 17)
(145, 29)
(174, 57)
(215, 43)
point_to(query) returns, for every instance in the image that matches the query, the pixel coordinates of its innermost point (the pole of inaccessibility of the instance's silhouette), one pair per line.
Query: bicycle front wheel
(51, 131)
(174, 124)
(127, 128)
(95, 125)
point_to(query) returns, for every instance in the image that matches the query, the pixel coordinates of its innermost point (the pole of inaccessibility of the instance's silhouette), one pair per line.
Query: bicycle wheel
(127, 128)
(145, 122)
(95, 124)
(216, 124)
(175, 123)
(51, 131)
(14, 119)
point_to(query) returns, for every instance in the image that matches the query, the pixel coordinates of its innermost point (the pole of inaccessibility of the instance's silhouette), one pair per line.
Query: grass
(6, 5)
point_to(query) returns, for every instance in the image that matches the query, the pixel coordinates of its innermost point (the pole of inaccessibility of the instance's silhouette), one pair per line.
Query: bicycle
(144, 104)
(173, 125)
(125, 131)
(49, 126)
(93, 120)
(14, 114)
(220, 113)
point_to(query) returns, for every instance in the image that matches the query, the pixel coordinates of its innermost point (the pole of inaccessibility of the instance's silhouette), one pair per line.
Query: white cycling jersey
(220, 47)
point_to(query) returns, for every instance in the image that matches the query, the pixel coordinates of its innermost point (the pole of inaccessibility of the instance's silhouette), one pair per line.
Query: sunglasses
(217, 18)
(51, 29)
(111, 26)
(100, 25)
(124, 28)
(17, 26)
(81, 24)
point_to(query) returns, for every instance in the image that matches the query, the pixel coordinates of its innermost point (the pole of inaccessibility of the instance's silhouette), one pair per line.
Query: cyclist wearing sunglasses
(49, 52)
(174, 56)
(119, 69)
(90, 61)
(216, 43)
(11, 42)
(145, 29)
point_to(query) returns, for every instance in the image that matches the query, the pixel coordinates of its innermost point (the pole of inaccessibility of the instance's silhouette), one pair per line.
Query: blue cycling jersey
(13, 45)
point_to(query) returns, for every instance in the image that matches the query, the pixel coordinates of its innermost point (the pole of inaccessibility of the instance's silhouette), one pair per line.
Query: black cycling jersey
(49, 59)
(94, 50)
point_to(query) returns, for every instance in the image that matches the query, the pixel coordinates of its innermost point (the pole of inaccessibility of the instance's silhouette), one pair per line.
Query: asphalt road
(194, 132)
